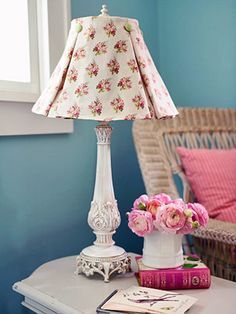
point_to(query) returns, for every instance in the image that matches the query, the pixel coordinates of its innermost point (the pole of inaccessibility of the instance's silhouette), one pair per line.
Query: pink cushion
(211, 174)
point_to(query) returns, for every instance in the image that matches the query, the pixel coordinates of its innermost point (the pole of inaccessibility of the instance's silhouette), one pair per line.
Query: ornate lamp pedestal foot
(89, 264)
(103, 257)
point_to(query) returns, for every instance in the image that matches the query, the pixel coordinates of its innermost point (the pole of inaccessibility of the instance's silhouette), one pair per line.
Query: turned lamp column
(104, 217)
(103, 257)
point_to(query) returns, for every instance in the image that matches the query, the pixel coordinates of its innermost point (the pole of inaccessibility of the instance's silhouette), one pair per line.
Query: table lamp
(105, 74)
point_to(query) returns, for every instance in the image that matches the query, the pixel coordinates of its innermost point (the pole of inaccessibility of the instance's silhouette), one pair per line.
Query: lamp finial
(104, 10)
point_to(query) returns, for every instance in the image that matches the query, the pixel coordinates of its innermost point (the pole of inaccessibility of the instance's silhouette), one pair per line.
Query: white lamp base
(89, 263)
(103, 257)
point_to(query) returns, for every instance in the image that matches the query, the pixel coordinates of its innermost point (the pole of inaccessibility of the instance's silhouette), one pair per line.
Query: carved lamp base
(103, 257)
(105, 266)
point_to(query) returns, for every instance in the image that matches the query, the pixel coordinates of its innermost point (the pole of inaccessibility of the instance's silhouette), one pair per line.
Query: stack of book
(192, 275)
(146, 301)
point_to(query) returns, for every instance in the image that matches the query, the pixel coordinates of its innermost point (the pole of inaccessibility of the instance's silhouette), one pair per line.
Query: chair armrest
(221, 231)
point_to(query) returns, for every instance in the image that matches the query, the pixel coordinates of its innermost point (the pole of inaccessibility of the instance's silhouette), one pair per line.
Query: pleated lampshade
(105, 73)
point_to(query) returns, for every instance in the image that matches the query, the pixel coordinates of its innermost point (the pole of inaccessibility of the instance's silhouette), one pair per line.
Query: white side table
(53, 288)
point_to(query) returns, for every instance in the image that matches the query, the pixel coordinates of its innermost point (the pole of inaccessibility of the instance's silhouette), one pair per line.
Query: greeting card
(149, 301)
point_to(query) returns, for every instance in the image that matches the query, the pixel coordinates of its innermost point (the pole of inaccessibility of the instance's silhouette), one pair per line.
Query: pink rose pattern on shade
(125, 83)
(104, 86)
(72, 75)
(117, 104)
(82, 90)
(79, 54)
(113, 66)
(110, 29)
(100, 48)
(130, 117)
(96, 107)
(74, 112)
(138, 101)
(102, 59)
(165, 215)
(141, 62)
(121, 46)
(140, 222)
(91, 32)
(92, 69)
(132, 65)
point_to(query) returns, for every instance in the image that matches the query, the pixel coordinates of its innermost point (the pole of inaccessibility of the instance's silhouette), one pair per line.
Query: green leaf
(189, 265)
(192, 258)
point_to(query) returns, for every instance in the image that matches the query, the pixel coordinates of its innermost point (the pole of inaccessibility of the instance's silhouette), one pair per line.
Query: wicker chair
(156, 141)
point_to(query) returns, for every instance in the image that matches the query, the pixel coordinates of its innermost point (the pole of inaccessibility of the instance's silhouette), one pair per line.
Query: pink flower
(90, 32)
(104, 85)
(170, 218)
(121, 46)
(141, 202)
(140, 42)
(110, 29)
(132, 65)
(74, 112)
(163, 198)
(125, 83)
(117, 104)
(153, 207)
(187, 228)
(72, 75)
(113, 66)
(96, 107)
(100, 48)
(79, 54)
(141, 62)
(92, 69)
(82, 89)
(140, 222)
(166, 215)
(179, 202)
(130, 117)
(138, 101)
(151, 203)
(200, 214)
(156, 201)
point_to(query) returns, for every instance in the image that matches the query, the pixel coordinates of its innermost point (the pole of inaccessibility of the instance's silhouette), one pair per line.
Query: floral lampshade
(105, 73)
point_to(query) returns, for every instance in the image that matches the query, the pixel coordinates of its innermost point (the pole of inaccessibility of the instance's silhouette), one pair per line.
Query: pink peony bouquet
(160, 212)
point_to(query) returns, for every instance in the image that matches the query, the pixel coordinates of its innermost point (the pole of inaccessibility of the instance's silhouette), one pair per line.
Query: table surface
(54, 288)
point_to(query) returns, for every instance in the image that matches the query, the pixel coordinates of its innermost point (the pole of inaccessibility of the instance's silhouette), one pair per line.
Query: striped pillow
(211, 174)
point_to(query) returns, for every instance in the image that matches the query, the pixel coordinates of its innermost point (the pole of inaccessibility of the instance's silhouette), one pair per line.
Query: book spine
(171, 280)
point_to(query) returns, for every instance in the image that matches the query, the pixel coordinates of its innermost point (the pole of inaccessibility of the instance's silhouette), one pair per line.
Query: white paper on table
(147, 300)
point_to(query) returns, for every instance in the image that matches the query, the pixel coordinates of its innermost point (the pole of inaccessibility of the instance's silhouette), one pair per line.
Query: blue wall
(197, 49)
(46, 182)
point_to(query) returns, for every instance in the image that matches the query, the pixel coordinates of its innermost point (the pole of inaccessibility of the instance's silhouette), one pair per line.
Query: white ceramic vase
(163, 250)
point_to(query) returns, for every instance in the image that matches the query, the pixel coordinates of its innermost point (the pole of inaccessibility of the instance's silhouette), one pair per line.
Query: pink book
(192, 275)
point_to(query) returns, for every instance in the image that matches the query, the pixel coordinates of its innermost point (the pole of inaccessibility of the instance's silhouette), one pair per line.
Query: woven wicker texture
(156, 142)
